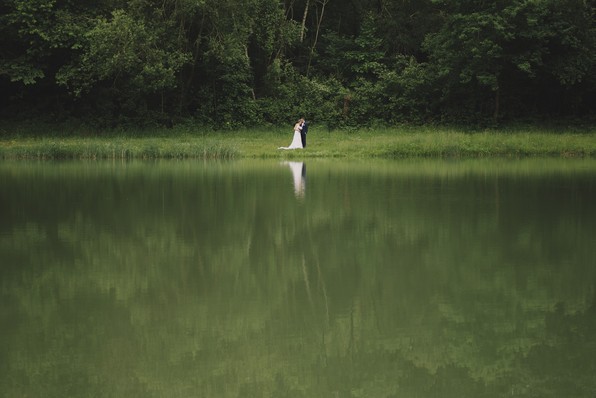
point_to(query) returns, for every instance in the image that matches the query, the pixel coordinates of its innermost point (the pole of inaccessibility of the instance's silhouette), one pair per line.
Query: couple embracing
(299, 140)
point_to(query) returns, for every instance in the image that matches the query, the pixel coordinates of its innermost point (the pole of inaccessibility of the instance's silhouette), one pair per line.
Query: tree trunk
(497, 104)
(304, 20)
(289, 10)
(252, 89)
(319, 21)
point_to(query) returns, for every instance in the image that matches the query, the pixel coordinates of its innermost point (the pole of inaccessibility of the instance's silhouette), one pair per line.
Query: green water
(323, 279)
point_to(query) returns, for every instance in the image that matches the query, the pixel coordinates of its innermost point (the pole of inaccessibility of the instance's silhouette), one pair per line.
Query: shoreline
(423, 142)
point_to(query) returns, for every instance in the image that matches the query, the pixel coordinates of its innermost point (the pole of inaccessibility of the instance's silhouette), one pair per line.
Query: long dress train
(296, 142)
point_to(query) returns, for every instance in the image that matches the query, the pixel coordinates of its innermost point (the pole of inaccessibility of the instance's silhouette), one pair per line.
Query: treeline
(230, 63)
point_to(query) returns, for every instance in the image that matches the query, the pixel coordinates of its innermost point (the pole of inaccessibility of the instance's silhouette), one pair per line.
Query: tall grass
(119, 148)
(380, 143)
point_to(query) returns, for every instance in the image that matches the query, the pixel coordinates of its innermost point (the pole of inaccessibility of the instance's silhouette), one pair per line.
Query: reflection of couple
(299, 140)
(299, 174)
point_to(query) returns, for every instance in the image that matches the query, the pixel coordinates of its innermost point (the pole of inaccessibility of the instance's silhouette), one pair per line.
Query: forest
(238, 63)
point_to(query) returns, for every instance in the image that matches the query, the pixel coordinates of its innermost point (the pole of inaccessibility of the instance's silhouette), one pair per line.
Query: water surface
(288, 279)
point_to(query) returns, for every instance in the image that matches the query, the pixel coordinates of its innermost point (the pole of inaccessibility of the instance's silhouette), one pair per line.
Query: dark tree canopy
(229, 63)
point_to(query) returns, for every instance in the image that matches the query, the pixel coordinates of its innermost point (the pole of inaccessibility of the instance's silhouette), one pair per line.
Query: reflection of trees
(213, 282)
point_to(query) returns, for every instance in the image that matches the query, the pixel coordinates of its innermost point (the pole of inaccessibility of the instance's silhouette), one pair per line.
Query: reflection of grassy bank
(207, 276)
(385, 143)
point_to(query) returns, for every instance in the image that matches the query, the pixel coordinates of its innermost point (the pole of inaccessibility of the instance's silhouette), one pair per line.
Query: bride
(297, 140)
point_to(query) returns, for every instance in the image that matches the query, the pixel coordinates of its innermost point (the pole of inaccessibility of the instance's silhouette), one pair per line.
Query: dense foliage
(227, 63)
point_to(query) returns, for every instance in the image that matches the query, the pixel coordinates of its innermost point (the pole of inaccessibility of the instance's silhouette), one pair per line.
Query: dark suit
(303, 132)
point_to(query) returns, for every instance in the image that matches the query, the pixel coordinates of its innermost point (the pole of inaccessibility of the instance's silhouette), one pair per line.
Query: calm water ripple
(424, 278)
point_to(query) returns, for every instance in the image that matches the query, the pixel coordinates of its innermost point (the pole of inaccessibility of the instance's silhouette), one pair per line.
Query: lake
(324, 278)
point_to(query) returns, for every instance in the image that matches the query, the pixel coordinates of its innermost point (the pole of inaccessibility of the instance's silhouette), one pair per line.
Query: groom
(303, 132)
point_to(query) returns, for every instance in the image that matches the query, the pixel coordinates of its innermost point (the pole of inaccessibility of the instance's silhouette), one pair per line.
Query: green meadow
(387, 143)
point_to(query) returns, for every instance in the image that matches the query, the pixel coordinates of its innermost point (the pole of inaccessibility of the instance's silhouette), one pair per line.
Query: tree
(37, 38)
(238, 62)
(482, 48)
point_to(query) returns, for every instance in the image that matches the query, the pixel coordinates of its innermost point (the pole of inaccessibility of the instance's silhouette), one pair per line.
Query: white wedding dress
(296, 142)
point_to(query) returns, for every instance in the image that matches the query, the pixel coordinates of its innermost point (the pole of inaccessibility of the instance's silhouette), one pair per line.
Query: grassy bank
(115, 148)
(380, 143)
